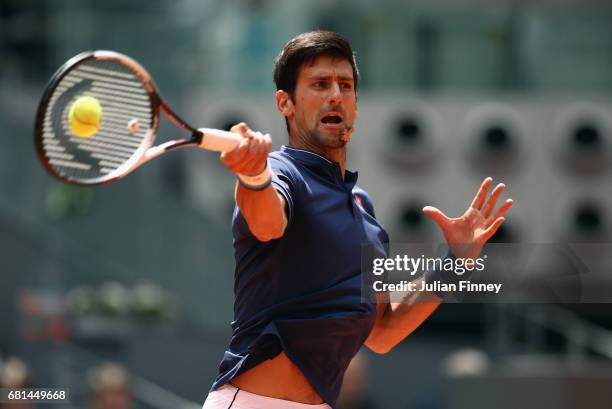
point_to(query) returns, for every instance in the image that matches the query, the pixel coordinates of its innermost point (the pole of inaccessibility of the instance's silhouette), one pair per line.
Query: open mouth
(332, 119)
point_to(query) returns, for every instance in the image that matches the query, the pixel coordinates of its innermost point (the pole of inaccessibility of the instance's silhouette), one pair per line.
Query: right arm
(263, 210)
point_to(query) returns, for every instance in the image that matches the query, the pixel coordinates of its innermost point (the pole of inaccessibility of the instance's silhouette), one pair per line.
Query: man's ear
(284, 104)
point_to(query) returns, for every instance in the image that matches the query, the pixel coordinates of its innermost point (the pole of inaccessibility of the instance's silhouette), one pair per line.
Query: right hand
(251, 155)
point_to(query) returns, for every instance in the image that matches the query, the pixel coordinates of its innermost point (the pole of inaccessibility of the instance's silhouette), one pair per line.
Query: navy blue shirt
(302, 293)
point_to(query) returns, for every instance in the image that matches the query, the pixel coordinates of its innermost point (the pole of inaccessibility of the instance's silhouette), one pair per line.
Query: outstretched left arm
(396, 320)
(466, 235)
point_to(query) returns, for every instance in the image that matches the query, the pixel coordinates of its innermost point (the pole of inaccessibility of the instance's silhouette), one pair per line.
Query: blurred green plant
(112, 300)
(63, 201)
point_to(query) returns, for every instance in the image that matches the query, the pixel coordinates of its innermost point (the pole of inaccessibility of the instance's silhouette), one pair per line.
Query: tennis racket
(125, 138)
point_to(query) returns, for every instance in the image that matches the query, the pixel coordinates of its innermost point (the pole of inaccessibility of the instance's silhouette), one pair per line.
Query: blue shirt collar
(317, 161)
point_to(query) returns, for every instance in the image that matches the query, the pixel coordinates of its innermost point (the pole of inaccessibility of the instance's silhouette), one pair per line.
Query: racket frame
(146, 151)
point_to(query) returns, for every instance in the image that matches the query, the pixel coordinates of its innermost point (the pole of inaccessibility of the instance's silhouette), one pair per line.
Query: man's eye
(347, 86)
(320, 84)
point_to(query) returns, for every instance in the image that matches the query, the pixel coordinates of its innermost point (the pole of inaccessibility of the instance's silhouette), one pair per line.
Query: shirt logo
(359, 202)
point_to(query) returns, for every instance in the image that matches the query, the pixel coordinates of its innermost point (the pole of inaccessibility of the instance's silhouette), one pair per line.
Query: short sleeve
(284, 181)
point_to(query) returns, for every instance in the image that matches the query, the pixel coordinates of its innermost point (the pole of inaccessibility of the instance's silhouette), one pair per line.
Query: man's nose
(335, 96)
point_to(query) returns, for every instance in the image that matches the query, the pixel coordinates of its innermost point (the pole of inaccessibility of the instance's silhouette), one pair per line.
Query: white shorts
(230, 397)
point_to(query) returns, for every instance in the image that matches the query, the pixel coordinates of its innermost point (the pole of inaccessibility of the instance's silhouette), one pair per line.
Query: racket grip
(219, 141)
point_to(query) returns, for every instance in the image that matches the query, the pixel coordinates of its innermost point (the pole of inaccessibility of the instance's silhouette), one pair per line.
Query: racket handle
(218, 140)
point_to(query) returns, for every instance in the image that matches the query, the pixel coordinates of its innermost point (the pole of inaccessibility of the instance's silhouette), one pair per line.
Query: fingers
(503, 209)
(480, 197)
(492, 202)
(237, 154)
(492, 229)
(436, 215)
(242, 128)
(250, 156)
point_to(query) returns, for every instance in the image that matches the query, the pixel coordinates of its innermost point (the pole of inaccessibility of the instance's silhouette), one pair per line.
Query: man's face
(325, 102)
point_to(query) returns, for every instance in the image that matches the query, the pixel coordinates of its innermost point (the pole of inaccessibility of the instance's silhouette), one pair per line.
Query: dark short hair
(305, 48)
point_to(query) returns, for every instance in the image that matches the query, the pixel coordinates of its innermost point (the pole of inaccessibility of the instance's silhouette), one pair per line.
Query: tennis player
(298, 227)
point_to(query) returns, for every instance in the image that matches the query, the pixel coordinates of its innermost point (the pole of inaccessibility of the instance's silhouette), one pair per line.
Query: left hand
(467, 234)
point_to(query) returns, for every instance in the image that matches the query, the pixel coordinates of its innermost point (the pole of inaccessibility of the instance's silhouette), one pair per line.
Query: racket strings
(124, 100)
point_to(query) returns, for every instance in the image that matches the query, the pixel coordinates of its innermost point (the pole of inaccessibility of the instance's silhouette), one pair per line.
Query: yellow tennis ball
(85, 116)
